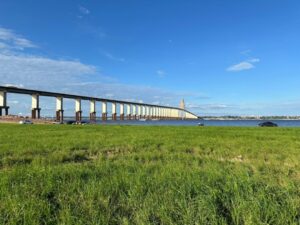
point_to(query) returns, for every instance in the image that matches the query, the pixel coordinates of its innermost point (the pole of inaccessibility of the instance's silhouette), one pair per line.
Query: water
(225, 123)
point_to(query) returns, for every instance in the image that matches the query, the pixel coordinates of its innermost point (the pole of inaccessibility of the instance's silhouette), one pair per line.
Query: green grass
(149, 175)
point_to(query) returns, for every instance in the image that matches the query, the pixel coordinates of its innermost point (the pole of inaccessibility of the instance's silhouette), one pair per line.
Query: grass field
(149, 175)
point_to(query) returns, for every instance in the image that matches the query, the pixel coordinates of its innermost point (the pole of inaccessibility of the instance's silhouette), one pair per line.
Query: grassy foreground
(149, 175)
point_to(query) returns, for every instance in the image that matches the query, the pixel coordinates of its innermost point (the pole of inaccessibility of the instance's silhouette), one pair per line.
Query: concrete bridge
(127, 110)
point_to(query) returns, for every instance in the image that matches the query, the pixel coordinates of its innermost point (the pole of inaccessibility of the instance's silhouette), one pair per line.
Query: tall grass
(149, 175)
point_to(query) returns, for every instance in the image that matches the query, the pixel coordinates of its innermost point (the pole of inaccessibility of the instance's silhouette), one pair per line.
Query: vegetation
(149, 175)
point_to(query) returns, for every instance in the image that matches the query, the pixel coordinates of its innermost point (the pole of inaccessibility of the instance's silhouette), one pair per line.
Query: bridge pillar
(133, 112)
(104, 110)
(35, 107)
(59, 109)
(150, 112)
(128, 111)
(147, 112)
(144, 111)
(121, 111)
(139, 112)
(114, 111)
(78, 111)
(3, 103)
(93, 110)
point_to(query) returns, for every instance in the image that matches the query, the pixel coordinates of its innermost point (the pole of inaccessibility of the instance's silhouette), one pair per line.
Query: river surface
(233, 123)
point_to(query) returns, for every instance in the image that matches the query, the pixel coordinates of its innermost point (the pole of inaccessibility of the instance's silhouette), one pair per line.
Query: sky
(223, 57)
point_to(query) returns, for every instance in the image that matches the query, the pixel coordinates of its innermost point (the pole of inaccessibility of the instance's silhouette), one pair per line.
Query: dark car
(268, 124)
(70, 122)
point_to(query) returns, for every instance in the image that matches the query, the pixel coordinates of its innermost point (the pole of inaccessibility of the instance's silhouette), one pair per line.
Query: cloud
(23, 69)
(254, 60)
(112, 57)
(83, 10)
(161, 73)
(210, 107)
(35, 71)
(245, 65)
(11, 41)
(240, 66)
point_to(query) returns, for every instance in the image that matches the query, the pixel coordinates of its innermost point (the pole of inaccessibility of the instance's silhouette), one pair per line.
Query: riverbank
(149, 175)
(12, 119)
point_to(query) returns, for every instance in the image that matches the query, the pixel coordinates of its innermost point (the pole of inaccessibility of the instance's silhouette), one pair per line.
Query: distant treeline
(253, 117)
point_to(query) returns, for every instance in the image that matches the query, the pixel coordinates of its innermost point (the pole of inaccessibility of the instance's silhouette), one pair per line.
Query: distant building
(182, 104)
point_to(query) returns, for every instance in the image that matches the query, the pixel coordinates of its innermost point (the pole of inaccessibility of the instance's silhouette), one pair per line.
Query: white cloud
(254, 60)
(240, 66)
(112, 57)
(245, 65)
(83, 10)
(11, 41)
(68, 76)
(37, 71)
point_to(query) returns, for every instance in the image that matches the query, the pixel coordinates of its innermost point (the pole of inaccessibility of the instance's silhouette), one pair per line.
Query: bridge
(127, 110)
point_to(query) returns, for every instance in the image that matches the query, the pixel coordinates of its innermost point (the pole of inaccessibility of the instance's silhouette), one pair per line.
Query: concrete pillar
(114, 111)
(128, 111)
(150, 112)
(169, 114)
(147, 112)
(121, 111)
(3, 103)
(104, 110)
(143, 111)
(59, 109)
(134, 112)
(139, 108)
(78, 111)
(93, 110)
(35, 107)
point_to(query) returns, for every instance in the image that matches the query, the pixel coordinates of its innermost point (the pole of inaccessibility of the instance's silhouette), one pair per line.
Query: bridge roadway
(134, 110)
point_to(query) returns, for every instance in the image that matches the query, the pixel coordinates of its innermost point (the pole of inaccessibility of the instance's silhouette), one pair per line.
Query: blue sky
(223, 57)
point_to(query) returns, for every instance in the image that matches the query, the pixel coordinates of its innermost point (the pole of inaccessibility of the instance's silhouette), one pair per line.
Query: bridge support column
(114, 111)
(150, 112)
(78, 111)
(35, 107)
(139, 109)
(164, 113)
(59, 109)
(157, 113)
(3, 103)
(144, 112)
(93, 110)
(128, 112)
(147, 112)
(133, 112)
(104, 110)
(121, 111)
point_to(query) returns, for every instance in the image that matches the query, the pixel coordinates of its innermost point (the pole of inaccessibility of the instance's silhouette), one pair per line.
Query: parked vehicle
(70, 122)
(268, 124)
(25, 122)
